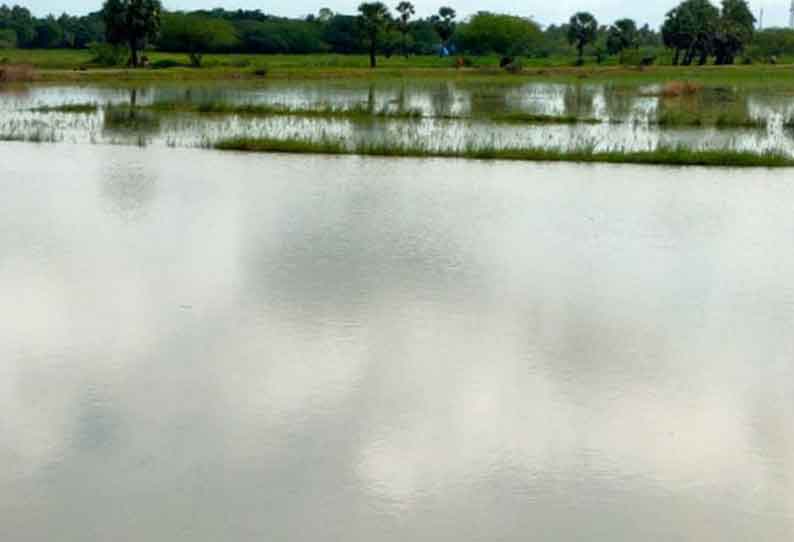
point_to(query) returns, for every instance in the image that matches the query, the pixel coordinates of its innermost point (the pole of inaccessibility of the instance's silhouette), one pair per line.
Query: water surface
(199, 346)
(454, 114)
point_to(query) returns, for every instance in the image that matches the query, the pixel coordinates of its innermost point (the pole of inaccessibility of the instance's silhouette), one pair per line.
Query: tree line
(695, 31)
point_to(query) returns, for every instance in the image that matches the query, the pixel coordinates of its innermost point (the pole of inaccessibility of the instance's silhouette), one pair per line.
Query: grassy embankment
(75, 65)
(659, 156)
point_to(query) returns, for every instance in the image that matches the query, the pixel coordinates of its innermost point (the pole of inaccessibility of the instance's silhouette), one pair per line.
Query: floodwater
(625, 114)
(198, 346)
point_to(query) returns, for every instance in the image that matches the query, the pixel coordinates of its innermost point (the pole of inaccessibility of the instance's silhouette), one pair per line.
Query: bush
(196, 35)
(165, 64)
(514, 66)
(109, 55)
(497, 33)
(644, 56)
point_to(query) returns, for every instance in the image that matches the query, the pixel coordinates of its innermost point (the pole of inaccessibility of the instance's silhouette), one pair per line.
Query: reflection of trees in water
(129, 121)
(485, 100)
(709, 103)
(442, 99)
(578, 100)
(619, 102)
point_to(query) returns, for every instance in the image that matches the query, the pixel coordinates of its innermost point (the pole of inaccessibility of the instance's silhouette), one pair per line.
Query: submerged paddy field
(664, 122)
(303, 306)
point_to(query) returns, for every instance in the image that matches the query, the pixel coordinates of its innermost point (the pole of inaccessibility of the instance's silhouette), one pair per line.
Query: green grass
(354, 112)
(75, 65)
(519, 117)
(68, 108)
(725, 119)
(265, 110)
(660, 156)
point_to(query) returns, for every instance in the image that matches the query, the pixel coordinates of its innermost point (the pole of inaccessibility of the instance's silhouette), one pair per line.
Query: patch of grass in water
(361, 111)
(519, 117)
(323, 111)
(68, 108)
(726, 119)
(677, 156)
(37, 136)
(292, 146)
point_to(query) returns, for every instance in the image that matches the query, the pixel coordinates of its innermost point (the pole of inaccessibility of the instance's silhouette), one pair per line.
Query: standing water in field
(437, 115)
(199, 346)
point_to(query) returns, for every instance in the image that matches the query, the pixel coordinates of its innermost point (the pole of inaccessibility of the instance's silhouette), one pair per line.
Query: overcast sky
(545, 12)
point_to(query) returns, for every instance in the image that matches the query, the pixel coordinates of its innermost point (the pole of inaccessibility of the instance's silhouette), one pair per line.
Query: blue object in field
(443, 51)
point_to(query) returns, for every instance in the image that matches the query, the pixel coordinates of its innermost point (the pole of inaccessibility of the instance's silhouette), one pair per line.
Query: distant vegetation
(695, 32)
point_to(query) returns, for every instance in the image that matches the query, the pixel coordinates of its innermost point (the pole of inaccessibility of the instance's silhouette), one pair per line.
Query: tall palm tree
(582, 30)
(405, 9)
(373, 19)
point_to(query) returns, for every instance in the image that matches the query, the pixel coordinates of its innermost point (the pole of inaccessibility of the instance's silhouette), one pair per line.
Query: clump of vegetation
(678, 156)
(534, 118)
(196, 35)
(165, 64)
(292, 146)
(68, 108)
(505, 35)
(16, 73)
(106, 54)
(724, 119)
(677, 117)
(730, 119)
(266, 110)
(133, 23)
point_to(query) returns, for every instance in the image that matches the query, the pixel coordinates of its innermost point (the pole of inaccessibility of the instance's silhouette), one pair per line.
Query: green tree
(734, 31)
(133, 23)
(498, 33)
(582, 30)
(48, 34)
(196, 35)
(691, 28)
(444, 24)
(406, 10)
(373, 20)
(21, 21)
(8, 38)
(621, 36)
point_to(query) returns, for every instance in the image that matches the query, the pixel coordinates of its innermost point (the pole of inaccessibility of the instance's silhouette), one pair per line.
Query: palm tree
(373, 19)
(405, 9)
(582, 30)
(444, 24)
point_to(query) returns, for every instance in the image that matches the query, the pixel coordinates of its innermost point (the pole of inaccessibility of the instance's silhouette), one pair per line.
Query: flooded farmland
(436, 114)
(200, 345)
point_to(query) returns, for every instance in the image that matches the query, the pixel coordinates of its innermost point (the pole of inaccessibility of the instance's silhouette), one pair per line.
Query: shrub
(165, 64)
(644, 56)
(498, 33)
(514, 66)
(109, 55)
